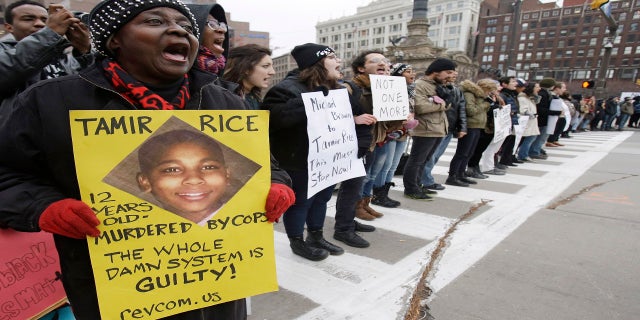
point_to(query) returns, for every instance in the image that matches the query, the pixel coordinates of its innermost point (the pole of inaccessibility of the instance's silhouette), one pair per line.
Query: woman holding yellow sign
(147, 49)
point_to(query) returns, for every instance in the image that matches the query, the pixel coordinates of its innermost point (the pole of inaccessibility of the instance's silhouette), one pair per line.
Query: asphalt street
(554, 239)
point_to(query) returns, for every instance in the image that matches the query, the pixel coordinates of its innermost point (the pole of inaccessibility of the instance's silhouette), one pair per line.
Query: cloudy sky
(288, 22)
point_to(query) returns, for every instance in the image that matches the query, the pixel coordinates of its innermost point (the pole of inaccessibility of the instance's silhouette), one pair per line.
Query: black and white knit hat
(109, 16)
(399, 68)
(308, 54)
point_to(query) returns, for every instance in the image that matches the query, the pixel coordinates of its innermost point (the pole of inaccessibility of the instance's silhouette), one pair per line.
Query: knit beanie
(308, 54)
(109, 16)
(547, 83)
(399, 68)
(440, 64)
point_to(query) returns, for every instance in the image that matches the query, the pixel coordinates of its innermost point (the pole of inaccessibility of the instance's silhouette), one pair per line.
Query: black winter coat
(37, 169)
(457, 114)
(288, 123)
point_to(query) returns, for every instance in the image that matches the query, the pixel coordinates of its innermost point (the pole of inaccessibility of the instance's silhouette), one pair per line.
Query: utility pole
(605, 10)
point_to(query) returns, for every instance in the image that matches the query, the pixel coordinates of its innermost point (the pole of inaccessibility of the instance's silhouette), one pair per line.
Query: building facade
(452, 25)
(566, 43)
(240, 33)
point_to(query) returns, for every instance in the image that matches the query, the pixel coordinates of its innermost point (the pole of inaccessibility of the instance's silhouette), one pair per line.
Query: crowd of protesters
(167, 55)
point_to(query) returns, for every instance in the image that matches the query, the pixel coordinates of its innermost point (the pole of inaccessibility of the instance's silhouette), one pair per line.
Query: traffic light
(588, 84)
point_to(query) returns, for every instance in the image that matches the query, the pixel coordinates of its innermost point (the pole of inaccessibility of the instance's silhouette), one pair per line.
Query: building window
(535, 15)
(525, 26)
(490, 39)
(545, 14)
(590, 52)
(487, 58)
(505, 28)
(525, 16)
(507, 18)
(627, 50)
(492, 21)
(491, 30)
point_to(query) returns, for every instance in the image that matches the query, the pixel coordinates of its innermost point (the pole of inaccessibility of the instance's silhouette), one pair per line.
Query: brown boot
(361, 213)
(370, 210)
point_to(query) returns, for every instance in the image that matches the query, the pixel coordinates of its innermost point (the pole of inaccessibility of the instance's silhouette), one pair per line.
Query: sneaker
(419, 196)
(301, 248)
(435, 186)
(361, 227)
(351, 238)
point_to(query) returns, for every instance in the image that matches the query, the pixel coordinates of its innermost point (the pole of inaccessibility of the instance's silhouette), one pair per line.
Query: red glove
(280, 198)
(70, 218)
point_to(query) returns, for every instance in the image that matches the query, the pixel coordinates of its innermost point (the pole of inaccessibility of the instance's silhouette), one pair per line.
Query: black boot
(463, 177)
(380, 197)
(387, 187)
(351, 238)
(474, 172)
(361, 227)
(301, 248)
(316, 239)
(453, 180)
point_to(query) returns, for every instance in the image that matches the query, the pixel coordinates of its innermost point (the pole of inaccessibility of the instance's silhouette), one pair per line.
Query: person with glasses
(214, 37)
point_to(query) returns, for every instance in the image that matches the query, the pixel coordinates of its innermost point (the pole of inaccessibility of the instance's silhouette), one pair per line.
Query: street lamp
(605, 10)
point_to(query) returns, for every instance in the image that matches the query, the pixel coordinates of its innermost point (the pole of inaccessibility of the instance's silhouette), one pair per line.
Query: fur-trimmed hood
(472, 87)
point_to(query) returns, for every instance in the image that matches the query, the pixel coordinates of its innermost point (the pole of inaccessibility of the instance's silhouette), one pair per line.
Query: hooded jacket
(201, 13)
(476, 104)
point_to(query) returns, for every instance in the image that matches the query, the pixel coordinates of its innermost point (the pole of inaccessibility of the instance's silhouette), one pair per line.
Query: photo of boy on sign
(183, 171)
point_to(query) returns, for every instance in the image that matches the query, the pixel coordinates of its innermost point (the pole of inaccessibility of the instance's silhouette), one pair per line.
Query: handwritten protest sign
(29, 285)
(333, 144)
(519, 130)
(180, 196)
(390, 97)
(502, 123)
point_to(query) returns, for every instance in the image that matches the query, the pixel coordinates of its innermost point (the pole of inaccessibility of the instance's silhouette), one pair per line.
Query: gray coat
(36, 57)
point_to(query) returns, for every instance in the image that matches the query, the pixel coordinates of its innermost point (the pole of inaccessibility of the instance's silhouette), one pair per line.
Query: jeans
(380, 155)
(623, 120)
(537, 144)
(427, 178)
(391, 164)
(348, 196)
(464, 150)
(421, 150)
(608, 120)
(311, 211)
(525, 146)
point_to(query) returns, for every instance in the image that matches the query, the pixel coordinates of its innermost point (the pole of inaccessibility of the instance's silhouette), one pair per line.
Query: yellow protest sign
(180, 196)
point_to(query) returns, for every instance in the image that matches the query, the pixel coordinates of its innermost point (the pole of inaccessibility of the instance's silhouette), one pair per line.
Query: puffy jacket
(476, 104)
(37, 168)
